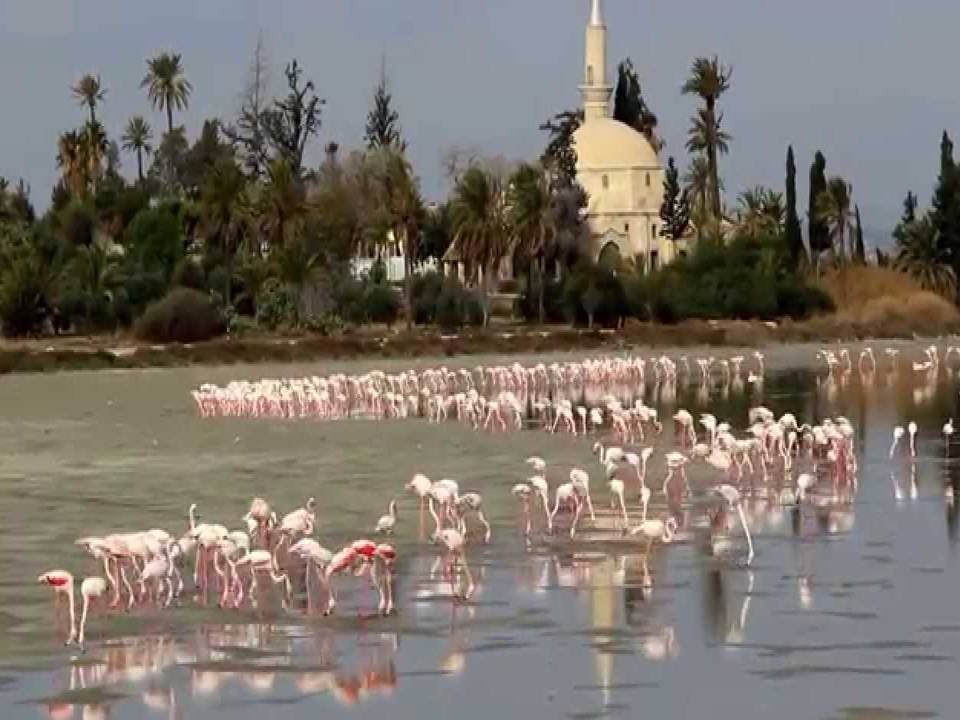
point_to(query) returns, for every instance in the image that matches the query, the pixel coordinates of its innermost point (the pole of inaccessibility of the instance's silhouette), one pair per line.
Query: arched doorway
(610, 258)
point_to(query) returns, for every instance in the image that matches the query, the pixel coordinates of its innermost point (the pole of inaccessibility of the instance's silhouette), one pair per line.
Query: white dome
(607, 143)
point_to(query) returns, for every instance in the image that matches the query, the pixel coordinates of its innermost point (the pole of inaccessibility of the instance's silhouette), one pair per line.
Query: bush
(426, 293)
(78, 223)
(190, 274)
(593, 294)
(382, 304)
(749, 278)
(326, 325)
(277, 306)
(155, 240)
(184, 315)
(350, 300)
(24, 289)
(450, 310)
(143, 287)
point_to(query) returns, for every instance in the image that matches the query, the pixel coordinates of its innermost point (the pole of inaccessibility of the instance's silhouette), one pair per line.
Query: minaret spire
(595, 90)
(596, 17)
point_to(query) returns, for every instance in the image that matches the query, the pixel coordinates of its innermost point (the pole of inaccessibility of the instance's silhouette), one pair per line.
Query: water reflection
(863, 558)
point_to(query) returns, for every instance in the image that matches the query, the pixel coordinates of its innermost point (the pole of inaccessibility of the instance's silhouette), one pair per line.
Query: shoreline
(113, 353)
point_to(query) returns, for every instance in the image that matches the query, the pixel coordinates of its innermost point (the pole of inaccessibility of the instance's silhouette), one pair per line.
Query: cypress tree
(629, 107)
(383, 122)
(819, 233)
(794, 235)
(675, 210)
(859, 252)
(946, 205)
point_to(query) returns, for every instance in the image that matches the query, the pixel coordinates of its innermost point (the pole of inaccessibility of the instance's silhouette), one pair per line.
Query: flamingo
(897, 436)
(387, 523)
(342, 561)
(912, 431)
(92, 588)
(616, 491)
(454, 544)
(655, 529)
(472, 502)
(948, 434)
(260, 514)
(675, 461)
(386, 555)
(523, 492)
(732, 497)
(539, 484)
(315, 556)
(420, 485)
(262, 561)
(580, 477)
(569, 495)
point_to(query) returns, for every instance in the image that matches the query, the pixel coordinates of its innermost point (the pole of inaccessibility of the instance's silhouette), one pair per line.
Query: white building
(618, 167)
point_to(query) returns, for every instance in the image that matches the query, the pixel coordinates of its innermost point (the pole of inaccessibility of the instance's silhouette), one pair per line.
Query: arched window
(605, 181)
(589, 74)
(648, 179)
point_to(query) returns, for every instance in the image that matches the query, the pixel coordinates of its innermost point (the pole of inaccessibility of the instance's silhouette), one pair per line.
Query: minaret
(595, 89)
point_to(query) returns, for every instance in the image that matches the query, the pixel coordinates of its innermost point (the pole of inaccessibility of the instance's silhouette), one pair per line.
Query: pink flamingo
(92, 588)
(316, 557)
(342, 561)
(454, 545)
(260, 513)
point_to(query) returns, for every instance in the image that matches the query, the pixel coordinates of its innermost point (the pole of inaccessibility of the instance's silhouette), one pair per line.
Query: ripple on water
(883, 713)
(807, 670)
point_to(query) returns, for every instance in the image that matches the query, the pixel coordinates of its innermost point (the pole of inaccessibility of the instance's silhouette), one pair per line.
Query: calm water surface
(850, 611)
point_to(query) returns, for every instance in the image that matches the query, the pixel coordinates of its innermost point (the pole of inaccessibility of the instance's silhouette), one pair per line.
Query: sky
(869, 82)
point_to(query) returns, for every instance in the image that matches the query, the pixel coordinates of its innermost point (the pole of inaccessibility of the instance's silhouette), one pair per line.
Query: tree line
(235, 230)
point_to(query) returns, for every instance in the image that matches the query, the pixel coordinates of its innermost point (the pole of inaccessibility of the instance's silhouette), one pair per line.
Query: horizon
(456, 82)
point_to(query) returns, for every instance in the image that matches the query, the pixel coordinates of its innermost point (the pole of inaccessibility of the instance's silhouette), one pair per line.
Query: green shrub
(326, 325)
(155, 240)
(184, 315)
(350, 300)
(24, 295)
(800, 301)
(143, 287)
(426, 293)
(78, 223)
(277, 306)
(382, 304)
(189, 273)
(593, 293)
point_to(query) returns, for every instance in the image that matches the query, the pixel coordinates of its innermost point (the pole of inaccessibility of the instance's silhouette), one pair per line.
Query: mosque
(619, 168)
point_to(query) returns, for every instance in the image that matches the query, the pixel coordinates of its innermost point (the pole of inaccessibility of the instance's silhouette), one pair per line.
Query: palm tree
(95, 276)
(920, 254)
(89, 91)
(283, 204)
(406, 216)
(710, 80)
(479, 225)
(71, 159)
(224, 212)
(531, 217)
(166, 85)
(95, 149)
(761, 212)
(138, 138)
(833, 207)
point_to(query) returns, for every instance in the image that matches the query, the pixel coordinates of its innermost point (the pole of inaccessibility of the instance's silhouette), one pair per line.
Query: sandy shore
(783, 345)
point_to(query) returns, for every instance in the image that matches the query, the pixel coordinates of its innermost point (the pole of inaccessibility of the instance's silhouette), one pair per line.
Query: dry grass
(882, 302)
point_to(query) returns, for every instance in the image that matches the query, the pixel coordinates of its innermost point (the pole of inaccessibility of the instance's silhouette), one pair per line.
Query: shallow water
(849, 611)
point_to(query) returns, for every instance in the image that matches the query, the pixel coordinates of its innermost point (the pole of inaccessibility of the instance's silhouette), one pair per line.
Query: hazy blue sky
(871, 82)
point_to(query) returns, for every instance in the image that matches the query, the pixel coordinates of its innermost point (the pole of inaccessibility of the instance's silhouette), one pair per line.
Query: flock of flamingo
(776, 460)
